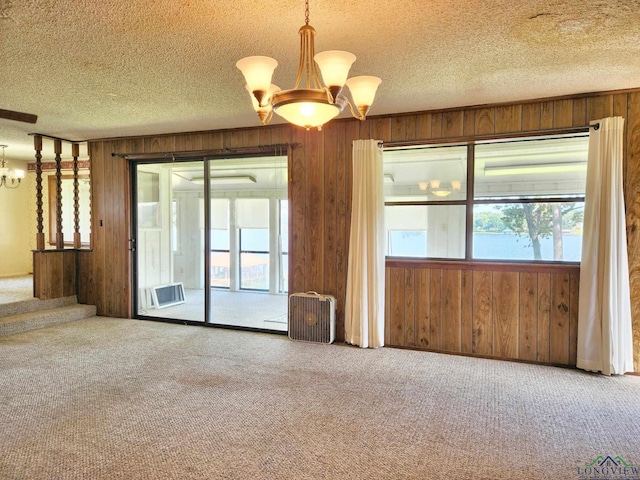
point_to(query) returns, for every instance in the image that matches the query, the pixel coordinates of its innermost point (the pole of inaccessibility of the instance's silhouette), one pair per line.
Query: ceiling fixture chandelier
(6, 174)
(434, 187)
(316, 103)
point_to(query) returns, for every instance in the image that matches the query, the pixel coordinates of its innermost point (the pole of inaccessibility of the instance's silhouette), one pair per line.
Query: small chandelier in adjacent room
(6, 175)
(434, 187)
(316, 103)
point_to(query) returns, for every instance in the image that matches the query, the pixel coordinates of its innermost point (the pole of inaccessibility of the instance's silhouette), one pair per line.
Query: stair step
(34, 305)
(23, 322)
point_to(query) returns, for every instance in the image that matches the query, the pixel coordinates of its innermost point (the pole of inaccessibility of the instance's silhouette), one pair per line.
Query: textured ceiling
(93, 69)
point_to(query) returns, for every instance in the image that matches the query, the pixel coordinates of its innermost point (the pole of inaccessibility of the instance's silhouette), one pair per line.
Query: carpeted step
(23, 322)
(35, 304)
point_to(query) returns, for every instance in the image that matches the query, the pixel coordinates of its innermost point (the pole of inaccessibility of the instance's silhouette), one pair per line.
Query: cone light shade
(257, 72)
(334, 66)
(363, 90)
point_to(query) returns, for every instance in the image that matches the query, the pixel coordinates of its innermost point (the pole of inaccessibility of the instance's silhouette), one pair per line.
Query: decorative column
(75, 152)
(57, 147)
(37, 143)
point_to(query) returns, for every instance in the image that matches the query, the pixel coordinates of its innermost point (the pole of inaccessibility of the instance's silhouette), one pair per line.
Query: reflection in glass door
(220, 248)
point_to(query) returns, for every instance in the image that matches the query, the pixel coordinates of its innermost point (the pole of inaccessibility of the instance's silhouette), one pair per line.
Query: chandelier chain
(306, 12)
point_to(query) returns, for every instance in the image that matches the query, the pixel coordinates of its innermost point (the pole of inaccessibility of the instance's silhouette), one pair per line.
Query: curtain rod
(474, 139)
(204, 153)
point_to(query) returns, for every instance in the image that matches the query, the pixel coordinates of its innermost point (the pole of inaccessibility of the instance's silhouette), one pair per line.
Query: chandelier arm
(357, 115)
(267, 118)
(3, 183)
(302, 59)
(315, 77)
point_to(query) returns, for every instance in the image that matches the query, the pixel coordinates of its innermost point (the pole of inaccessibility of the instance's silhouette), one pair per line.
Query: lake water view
(487, 246)
(513, 247)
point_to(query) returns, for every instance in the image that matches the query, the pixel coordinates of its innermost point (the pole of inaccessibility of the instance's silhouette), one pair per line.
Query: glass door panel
(245, 231)
(169, 240)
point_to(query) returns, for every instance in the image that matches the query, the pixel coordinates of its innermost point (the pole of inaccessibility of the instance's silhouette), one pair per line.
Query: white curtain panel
(364, 309)
(604, 314)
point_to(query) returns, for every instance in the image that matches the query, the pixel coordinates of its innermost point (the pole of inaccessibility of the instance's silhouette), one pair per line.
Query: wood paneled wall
(54, 273)
(320, 206)
(503, 311)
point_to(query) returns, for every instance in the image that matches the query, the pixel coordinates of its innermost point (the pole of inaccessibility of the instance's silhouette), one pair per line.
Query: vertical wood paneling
(469, 123)
(505, 314)
(435, 309)
(364, 130)
(410, 128)
(251, 137)
(544, 316)
(574, 288)
(85, 280)
(99, 177)
(330, 210)
(546, 115)
(397, 306)
(632, 193)
(485, 121)
(110, 218)
(344, 180)
(54, 273)
(151, 144)
(528, 315)
(562, 113)
(559, 319)
(453, 124)
(381, 129)
(409, 309)
(69, 273)
(398, 129)
(482, 313)
(423, 296)
(387, 306)
(233, 139)
(118, 235)
(297, 216)
(466, 313)
(580, 112)
(451, 310)
(599, 107)
(214, 140)
(436, 125)
(423, 126)
(531, 116)
(508, 118)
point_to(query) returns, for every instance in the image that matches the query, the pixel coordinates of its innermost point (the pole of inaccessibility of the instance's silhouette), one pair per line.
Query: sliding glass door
(211, 241)
(169, 230)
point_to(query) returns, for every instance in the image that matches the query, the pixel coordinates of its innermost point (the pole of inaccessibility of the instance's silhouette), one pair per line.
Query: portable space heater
(312, 317)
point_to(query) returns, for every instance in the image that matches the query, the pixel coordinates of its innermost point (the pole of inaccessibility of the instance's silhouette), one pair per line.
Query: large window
(522, 199)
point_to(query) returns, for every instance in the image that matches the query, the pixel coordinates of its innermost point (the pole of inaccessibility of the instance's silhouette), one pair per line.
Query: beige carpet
(16, 289)
(129, 399)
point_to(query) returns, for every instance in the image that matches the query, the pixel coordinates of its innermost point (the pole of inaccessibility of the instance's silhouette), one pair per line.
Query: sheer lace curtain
(364, 309)
(604, 315)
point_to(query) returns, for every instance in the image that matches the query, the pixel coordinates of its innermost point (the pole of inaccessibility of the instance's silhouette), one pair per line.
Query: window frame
(470, 201)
